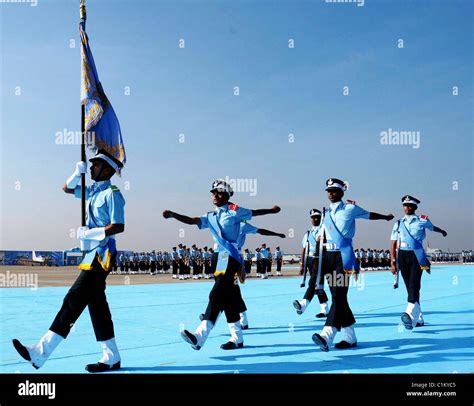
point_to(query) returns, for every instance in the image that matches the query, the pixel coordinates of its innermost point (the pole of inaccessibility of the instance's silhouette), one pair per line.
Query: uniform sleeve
(77, 191)
(116, 205)
(394, 235)
(248, 229)
(204, 222)
(303, 241)
(359, 213)
(428, 224)
(243, 214)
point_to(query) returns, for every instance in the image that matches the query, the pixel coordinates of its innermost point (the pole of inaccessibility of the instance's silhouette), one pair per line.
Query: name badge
(403, 244)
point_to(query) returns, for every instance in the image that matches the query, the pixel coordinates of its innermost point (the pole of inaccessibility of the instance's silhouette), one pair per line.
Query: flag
(101, 124)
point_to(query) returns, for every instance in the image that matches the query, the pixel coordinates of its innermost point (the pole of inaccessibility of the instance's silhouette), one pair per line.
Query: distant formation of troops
(196, 263)
(373, 259)
(143, 262)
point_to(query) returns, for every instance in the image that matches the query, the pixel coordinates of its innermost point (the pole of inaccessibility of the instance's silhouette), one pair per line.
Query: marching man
(224, 224)
(339, 262)
(279, 260)
(105, 218)
(246, 229)
(310, 252)
(407, 252)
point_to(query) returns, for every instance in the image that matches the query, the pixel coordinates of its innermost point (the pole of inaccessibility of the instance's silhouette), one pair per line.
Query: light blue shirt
(311, 238)
(229, 218)
(245, 228)
(416, 227)
(104, 204)
(278, 254)
(264, 253)
(344, 216)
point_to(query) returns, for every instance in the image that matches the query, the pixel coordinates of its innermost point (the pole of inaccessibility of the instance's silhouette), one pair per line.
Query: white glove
(94, 234)
(90, 238)
(81, 167)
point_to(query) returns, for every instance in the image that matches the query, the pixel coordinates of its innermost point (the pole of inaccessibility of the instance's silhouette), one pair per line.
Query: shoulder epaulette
(351, 202)
(424, 217)
(233, 206)
(114, 188)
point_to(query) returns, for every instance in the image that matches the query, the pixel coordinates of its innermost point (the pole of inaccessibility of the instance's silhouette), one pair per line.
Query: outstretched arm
(262, 231)
(181, 217)
(439, 230)
(263, 212)
(377, 216)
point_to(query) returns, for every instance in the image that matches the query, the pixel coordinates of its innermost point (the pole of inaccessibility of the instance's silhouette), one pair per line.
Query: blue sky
(190, 91)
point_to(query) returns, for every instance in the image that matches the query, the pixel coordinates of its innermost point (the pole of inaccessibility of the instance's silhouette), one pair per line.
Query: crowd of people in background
(373, 259)
(195, 263)
(466, 256)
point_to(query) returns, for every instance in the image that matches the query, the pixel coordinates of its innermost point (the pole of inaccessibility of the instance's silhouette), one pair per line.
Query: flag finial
(82, 10)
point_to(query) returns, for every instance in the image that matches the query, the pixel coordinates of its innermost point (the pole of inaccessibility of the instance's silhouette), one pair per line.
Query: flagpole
(83, 16)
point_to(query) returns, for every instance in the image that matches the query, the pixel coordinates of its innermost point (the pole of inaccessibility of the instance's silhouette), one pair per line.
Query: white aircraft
(37, 258)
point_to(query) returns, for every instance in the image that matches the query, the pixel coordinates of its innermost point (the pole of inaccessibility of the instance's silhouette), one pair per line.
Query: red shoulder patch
(351, 202)
(424, 217)
(233, 206)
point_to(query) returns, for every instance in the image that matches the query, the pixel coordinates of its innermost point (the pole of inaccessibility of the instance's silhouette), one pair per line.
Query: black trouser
(225, 294)
(340, 314)
(196, 270)
(248, 267)
(265, 265)
(207, 267)
(175, 267)
(411, 274)
(259, 266)
(182, 267)
(87, 290)
(312, 267)
(279, 262)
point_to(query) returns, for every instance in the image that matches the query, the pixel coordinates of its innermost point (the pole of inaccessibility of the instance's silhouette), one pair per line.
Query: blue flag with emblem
(101, 124)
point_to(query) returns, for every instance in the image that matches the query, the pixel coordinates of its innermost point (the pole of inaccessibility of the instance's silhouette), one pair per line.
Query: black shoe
(23, 351)
(100, 367)
(201, 316)
(321, 315)
(246, 327)
(191, 339)
(407, 321)
(297, 306)
(232, 346)
(343, 345)
(418, 324)
(318, 340)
